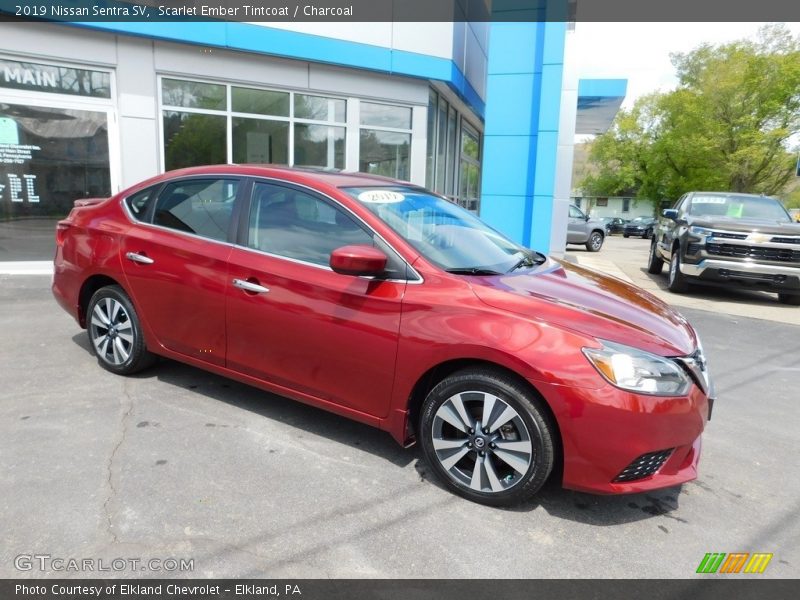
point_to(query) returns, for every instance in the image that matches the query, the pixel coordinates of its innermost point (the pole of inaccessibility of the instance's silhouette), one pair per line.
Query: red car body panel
(359, 347)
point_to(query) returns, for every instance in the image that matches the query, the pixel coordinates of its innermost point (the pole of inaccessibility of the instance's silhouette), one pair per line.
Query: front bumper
(752, 274)
(605, 432)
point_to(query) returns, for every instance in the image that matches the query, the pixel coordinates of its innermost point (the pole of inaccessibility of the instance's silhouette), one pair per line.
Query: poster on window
(49, 157)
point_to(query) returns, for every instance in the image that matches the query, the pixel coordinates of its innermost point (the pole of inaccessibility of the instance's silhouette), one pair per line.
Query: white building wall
(566, 148)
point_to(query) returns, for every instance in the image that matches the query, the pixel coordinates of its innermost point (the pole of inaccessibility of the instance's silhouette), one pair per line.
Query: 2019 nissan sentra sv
(383, 302)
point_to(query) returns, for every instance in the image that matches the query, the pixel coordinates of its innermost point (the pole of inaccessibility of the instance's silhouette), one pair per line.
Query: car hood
(745, 225)
(592, 304)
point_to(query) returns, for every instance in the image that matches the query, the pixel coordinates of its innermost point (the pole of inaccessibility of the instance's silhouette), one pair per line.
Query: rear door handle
(139, 258)
(249, 286)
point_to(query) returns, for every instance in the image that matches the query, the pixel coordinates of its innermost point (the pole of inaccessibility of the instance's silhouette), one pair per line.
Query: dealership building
(484, 113)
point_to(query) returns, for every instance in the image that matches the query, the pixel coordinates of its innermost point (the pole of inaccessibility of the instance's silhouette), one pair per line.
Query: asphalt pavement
(177, 464)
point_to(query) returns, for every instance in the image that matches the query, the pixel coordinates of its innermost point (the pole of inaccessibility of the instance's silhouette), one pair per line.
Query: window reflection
(385, 153)
(319, 146)
(260, 141)
(49, 157)
(193, 139)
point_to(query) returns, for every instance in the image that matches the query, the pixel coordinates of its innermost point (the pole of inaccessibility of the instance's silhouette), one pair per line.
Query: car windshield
(738, 207)
(444, 233)
(638, 220)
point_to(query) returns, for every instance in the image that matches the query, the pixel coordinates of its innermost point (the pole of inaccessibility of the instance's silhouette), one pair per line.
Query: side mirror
(670, 213)
(358, 260)
(586, 218)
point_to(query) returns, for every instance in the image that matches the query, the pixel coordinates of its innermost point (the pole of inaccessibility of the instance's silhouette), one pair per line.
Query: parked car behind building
(640, 226)
(582, 229)
(613, 224)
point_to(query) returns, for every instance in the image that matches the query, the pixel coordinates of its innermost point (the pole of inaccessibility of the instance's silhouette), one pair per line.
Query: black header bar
(366, 11)
(702, 588)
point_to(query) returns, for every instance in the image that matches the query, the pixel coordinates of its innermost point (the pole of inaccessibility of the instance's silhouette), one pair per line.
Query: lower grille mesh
(644, 466)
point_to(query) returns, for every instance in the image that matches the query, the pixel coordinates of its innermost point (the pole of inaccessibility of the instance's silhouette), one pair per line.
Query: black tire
(115, 334)
(655, 264)
(790, 299)
(595, 241)
(625, 235)
(647, 234)
(497, 482)
(677, 280)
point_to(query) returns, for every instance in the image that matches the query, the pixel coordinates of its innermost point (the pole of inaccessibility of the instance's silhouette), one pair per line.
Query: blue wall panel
(521, 134)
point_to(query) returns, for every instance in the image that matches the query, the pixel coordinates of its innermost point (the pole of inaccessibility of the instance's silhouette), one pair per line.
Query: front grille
(644, 466)
(757, 252)
(764, 277)
(730, 236)
(786, 240)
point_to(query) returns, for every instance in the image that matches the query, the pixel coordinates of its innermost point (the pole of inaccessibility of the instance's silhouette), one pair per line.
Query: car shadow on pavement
(274, 407)
(714, 293)
(586, 508)
(561, 503)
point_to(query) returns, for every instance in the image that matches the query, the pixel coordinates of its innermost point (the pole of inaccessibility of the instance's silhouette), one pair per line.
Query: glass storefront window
(385, 153)
(192, 139)
(470, 146)
(469, 179)
(319, 108)
(260, 102)
(280, 131)
(319, 146)
(441, 147)
(453, 153)
(385, 115)
(430, 163)
(193, 94)
(260, 141)
(452, 149)
(49, 157)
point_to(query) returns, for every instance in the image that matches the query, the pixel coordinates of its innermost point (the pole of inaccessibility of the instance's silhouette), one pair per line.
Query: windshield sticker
(381, 197)
(708, 200)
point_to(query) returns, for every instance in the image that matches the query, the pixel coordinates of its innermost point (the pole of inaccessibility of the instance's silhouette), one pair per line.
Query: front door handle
(139, 258)
(249, 286)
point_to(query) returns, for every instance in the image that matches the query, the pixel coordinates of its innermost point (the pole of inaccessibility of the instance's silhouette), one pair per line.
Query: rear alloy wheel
(595, 242)
(655, 263)
(487, 437)
(677, 281)
(790, 299)
(114, 332)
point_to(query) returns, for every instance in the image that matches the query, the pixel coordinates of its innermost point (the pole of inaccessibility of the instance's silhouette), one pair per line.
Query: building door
(56, 146)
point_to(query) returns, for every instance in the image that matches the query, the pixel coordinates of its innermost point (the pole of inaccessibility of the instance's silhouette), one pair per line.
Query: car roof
(332, 178)
(731, 194)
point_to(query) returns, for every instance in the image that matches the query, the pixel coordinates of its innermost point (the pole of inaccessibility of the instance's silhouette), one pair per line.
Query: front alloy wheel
(115, 333)
(487, 437)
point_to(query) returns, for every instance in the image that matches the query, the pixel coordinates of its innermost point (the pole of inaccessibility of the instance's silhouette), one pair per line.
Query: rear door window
(201, 207)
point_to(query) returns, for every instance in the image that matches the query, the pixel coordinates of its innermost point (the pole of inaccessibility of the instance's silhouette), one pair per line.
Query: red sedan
(383, 302)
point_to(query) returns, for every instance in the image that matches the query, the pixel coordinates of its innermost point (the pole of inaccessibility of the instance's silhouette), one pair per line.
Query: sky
(639, 52)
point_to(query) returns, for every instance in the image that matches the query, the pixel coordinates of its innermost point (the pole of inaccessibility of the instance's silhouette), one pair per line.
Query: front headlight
(638, 371)
(700, 231)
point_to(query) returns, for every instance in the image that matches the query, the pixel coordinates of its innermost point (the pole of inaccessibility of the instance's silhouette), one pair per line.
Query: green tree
(727, 126)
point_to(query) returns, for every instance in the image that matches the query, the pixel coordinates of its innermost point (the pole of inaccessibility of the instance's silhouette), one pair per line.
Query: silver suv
(585, 230)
